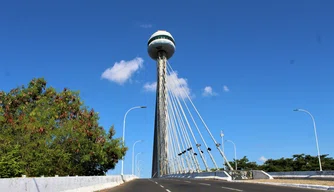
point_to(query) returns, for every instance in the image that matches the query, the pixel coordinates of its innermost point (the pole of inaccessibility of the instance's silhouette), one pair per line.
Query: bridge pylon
(161, 47)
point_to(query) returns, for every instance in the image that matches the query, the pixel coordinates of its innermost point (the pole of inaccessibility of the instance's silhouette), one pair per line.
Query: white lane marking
(187, 181)
(168, 190)
(232, 189)
(156, 182)
(161, 186)
(204, 184)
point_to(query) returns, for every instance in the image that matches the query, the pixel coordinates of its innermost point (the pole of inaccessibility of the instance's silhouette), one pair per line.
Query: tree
(298, 162)
(10, 166)
(278, 165)
(45, 132)
(327, 162)
(244, 164)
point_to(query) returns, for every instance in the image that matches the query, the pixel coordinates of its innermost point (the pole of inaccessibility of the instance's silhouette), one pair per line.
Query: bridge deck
(181, 185)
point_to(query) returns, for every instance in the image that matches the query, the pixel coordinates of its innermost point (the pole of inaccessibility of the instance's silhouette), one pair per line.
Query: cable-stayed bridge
(179, 144)
(182, 140)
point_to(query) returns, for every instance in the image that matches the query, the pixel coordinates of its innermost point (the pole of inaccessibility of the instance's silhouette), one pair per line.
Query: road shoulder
(308, 186)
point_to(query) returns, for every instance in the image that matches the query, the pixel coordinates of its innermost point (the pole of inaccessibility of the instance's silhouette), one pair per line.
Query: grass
(295, 181)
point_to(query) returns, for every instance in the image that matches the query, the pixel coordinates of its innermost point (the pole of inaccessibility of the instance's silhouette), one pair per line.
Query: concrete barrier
(258, 174)
(221, 175)
(319, 175)
(127, 178)
(247, 175)
(240, 175)
(62, 184)
(225, 175)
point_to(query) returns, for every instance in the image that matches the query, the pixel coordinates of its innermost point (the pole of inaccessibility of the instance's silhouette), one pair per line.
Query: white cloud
(178, 86)
(208, 92)
(146, 26)
(150, 86)
(263, 159)
(226, 89)
(123, 70)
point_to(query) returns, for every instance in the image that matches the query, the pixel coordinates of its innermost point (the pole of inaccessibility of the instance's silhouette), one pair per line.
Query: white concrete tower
(160, 47)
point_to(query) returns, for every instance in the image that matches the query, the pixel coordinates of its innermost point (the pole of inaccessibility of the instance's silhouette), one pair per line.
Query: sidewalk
(310, 184)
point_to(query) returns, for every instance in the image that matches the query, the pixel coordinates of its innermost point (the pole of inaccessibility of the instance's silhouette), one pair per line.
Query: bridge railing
(319, 175)
(224, 175)
(63, 184)
(251, 174)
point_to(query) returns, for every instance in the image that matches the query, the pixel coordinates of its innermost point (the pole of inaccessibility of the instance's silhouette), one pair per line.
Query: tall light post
(137, 107)
(138, 168)
(136, 158)
(235, 154)
(133, 156)
(222, 136)
(315, 132)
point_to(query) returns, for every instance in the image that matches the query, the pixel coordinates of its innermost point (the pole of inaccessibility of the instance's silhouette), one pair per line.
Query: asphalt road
(181, 185)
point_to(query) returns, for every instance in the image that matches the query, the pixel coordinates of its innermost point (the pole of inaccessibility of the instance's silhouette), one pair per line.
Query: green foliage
(244, 164)
(10, 165)
(298, 162)
(45, 132)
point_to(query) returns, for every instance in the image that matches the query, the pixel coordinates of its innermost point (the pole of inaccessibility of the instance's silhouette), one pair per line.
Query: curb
(320, 187)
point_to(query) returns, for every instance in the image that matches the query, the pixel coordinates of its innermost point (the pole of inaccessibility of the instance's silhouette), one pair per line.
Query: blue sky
(271, 57)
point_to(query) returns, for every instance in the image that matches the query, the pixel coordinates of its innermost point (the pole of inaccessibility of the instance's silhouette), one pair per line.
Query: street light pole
(315, 132)
(138, 167)
(123, 139)
(235, 154)
(222, 136)
(136, 158)
(133, 155)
